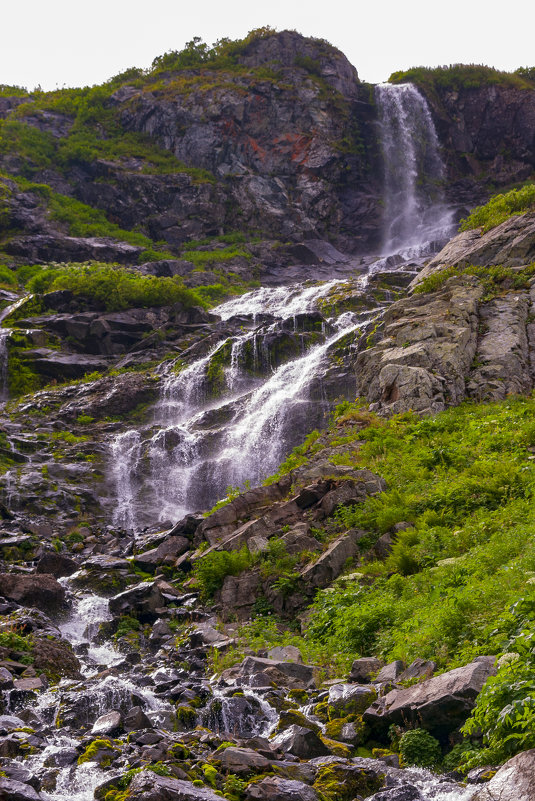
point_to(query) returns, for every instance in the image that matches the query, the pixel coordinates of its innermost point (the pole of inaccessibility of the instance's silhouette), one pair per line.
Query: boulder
(301, 742)
(330, 564)
(285, 653)
(149, 786)
(351, 699)
(390, 672)
(143, 600)
(165, 553)
(56, 564)
(41, 591)
(11, 790)
(274, 788)
(292, 675)
(440, 704)
(108, 724)
(419, 669)
(243, 760)
(363, 669)
(514, 781)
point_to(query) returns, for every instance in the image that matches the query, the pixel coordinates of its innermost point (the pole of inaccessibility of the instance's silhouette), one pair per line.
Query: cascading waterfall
(4, 350)
(198, 446)
(415, 210)
(4, 356)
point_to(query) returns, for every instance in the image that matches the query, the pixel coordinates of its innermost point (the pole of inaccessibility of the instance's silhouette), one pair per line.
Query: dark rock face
(478, 126)
(41, 591)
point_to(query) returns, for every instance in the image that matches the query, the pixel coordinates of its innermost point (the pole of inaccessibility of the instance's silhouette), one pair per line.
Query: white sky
(67, 42)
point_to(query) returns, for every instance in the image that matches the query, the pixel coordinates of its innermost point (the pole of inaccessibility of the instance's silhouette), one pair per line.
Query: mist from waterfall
(415, 210)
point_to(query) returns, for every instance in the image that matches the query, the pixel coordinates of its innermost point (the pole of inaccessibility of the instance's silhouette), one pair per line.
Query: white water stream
(188, 458)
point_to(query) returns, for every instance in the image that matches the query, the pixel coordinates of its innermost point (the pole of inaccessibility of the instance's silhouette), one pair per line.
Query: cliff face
(488, 136)
(280, 140)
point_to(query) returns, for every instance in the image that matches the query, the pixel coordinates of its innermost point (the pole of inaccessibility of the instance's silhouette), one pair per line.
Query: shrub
(459, 76)
(212, 569)
(505, 707)
(499, 208)
(418, 747)
(113, 288)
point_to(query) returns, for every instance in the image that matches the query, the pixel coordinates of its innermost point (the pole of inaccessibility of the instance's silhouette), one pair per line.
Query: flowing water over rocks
(415, 209)
(230, 416)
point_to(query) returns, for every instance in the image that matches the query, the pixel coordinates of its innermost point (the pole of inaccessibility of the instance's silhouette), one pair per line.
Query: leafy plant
(418, 747)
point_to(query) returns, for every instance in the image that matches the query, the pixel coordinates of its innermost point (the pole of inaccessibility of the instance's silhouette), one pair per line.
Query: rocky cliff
(273, 136)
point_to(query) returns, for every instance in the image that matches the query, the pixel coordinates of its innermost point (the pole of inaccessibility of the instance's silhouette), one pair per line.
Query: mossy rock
(321, 711)
(292, 717)
(356, 730)
(102, 751)
(186, 716)
(337, 748)
(338, 782)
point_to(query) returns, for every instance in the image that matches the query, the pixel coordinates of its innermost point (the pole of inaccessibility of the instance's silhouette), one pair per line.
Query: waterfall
(4, 349)
(415, 212)
(4, 357)
(198, 445)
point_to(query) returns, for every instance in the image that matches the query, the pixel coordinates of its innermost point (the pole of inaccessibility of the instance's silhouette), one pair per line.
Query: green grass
(500, 208)
(495, 279)
(112, 288)
(465, 482)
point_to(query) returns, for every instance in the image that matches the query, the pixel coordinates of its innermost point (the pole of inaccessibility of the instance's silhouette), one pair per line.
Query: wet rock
(301, 742)
(56, 564)
(108, 724)
(10, 722)
(55, 657)
(148, 786)
(11, 790)
(365, 668)
(514, 781)
(136, 719)
(165, 553)
(41, 591)
(407, 792)
(439, 704)
(243, 760)
(143, 600)
(278, 789)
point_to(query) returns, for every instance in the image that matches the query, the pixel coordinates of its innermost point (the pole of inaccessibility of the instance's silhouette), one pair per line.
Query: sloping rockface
(467, 338)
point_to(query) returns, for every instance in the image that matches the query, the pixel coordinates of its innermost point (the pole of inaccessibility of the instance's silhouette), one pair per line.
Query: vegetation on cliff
(456, 77)
(499, 208)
